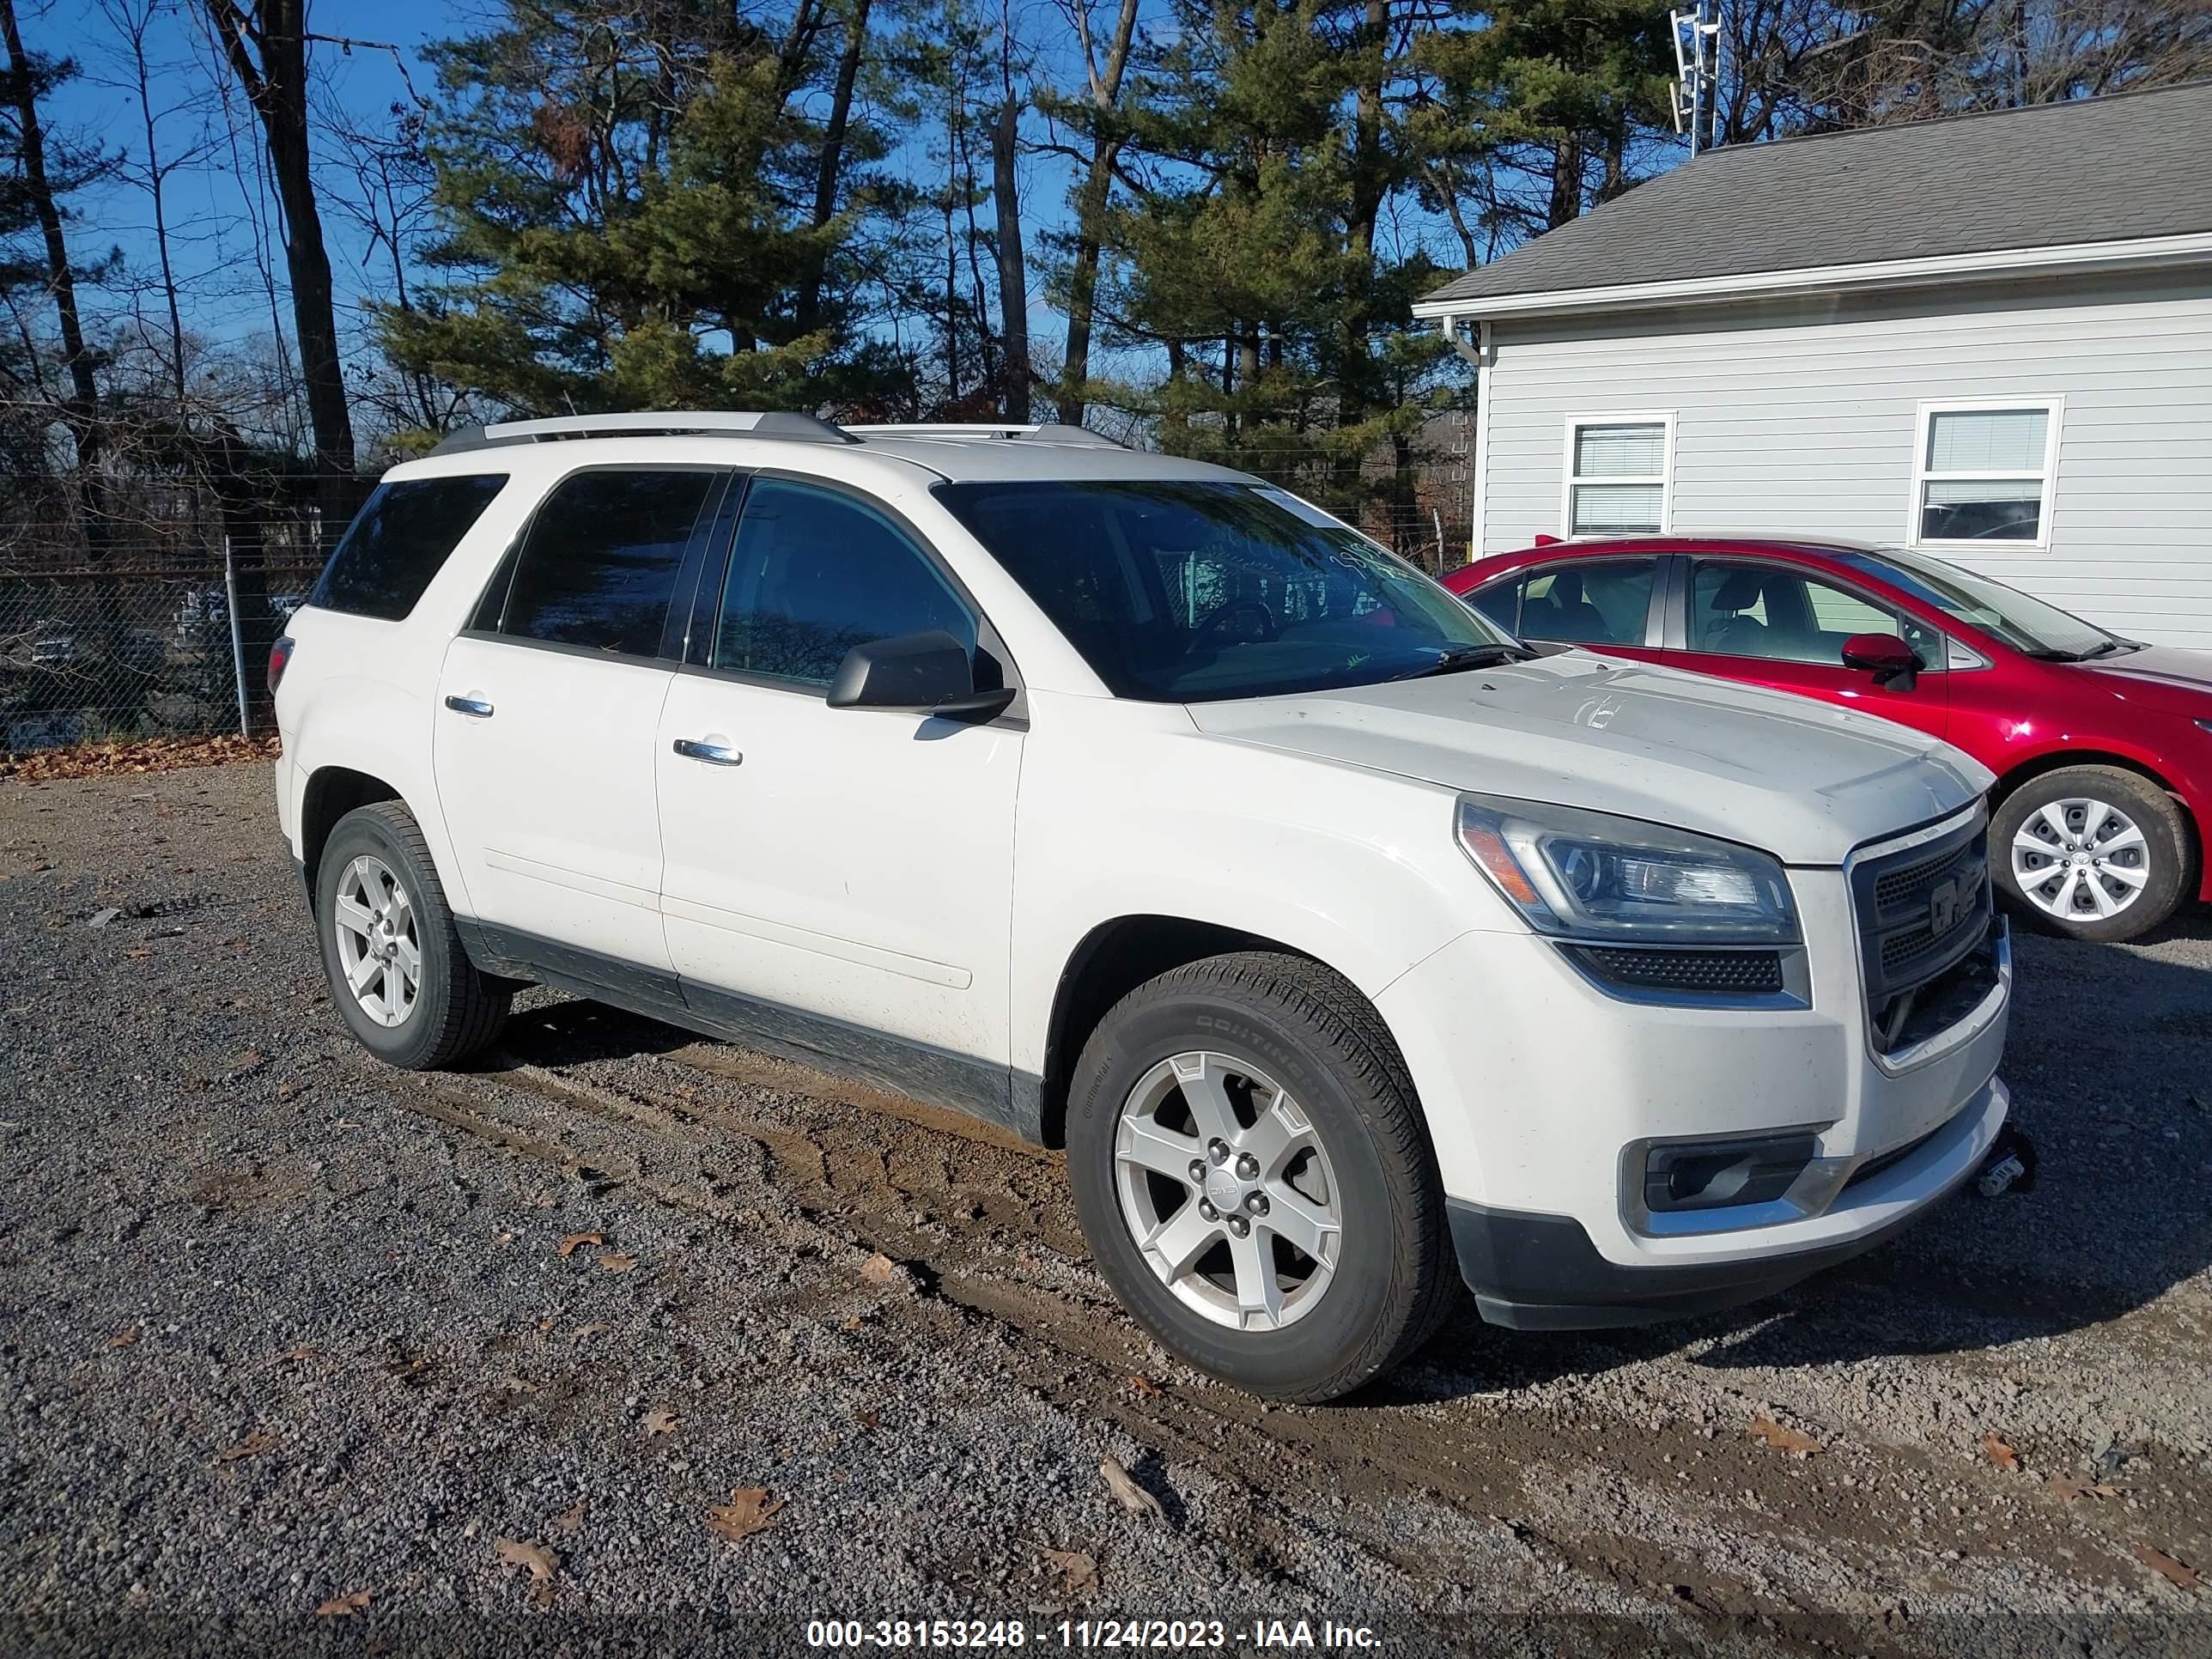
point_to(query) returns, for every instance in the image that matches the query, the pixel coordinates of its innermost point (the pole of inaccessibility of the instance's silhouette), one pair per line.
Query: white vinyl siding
(1617, 482)
(1803, 417)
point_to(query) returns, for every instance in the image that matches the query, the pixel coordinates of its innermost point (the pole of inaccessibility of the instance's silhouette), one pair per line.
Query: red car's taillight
(279, 654)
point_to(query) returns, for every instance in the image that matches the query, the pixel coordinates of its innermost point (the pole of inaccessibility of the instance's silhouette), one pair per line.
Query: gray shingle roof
(2103, 169)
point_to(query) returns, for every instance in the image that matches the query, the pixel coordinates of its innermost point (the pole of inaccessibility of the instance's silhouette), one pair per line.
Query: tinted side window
(816, 572)
(1764, 610)
(599, 565)
(1604, 602)
(398, 541)
(1501, 604)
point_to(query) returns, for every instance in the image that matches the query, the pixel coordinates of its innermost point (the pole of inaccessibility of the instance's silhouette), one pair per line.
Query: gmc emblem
(1947, 907)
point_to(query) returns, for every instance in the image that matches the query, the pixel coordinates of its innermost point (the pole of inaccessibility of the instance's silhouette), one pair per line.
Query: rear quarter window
(399, 540)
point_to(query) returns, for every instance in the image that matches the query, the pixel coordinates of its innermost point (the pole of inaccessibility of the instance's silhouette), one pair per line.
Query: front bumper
(1533, 1272)
(1539, 1090)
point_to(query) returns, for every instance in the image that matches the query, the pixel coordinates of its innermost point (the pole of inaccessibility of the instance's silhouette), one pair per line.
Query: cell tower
(1697, 66)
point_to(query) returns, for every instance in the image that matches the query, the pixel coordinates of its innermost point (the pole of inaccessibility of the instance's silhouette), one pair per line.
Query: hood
(1792, 776)
(2172, 677)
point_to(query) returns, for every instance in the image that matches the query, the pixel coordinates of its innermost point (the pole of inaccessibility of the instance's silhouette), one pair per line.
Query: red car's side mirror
(1885, 656)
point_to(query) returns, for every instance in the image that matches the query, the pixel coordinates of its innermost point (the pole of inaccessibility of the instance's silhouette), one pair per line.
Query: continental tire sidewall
(409, 1044)
(1299, 1358)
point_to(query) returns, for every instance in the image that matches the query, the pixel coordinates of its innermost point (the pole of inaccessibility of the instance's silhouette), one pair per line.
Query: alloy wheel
(2080, 860)
(378, 949)
(1226, 1190)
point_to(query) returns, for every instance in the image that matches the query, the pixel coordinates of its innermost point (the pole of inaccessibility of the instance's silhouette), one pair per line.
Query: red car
(2102, 747)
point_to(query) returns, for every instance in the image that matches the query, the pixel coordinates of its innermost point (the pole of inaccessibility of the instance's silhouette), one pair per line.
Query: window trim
(1663, 418)
(2053, 405)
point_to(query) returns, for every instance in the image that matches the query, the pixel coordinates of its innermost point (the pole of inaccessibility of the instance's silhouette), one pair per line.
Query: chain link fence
(114, 651)
(140, 641)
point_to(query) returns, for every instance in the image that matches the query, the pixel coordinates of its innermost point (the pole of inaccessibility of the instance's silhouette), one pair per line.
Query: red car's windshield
(2027, 624)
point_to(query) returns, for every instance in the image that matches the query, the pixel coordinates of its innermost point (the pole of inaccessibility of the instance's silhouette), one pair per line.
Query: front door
(1776, 625)
(547, 711)
(839, 880)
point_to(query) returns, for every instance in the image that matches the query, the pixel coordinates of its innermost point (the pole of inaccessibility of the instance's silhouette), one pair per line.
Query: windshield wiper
(2106, 649)
(1469, 656)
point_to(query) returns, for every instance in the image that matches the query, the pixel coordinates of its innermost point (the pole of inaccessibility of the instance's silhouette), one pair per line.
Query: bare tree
(1104, 71)
(1006, 206)
(266, 47)
(26, 78)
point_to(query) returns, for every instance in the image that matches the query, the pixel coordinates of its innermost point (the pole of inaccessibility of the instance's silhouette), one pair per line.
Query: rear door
(548, 707)
(1780, 625)
(853, 864)
(1608, 604)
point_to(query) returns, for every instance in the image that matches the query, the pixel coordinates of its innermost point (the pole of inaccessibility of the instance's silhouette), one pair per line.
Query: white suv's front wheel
(398, 974)
(1255, 1176)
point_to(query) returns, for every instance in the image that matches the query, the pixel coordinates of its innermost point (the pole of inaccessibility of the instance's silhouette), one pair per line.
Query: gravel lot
(279, 1328)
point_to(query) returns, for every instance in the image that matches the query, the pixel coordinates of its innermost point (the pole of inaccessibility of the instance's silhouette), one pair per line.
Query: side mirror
(926, 673)
(1887, 658)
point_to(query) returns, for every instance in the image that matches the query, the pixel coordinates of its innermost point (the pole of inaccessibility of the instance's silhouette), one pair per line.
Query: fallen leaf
(2069, 1490)
(1783, 1438)
(575, 1242)
(880, 1269)
(869, 1420)
(139, 955)
(748, 1511)
(1995, 1449)
(286, 1091)
(1078, 1571)
(1131, 1497)
(123, 1338)
(660, 1420)
(570, 1521)
(582, 1331)
(502, 1236)
(343, 1606)
(616, 1262)
(256, 1442)
(528, 1552)
(2173, 1572)
(1144, 1386)
(297, 1356)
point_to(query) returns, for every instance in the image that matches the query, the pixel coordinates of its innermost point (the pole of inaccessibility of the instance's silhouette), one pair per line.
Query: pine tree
(633, 201)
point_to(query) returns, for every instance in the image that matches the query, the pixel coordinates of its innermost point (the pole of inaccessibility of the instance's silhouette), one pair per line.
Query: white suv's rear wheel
(398, 974)
(1254, 1174)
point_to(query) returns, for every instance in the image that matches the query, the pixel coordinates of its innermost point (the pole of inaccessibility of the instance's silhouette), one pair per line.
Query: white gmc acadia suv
(1143, 808)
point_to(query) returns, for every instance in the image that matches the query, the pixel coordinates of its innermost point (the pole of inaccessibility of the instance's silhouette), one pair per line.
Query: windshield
(2024, 624)
(1181, 591)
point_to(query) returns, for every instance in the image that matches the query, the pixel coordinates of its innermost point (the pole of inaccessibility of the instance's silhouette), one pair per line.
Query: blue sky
(220, 209)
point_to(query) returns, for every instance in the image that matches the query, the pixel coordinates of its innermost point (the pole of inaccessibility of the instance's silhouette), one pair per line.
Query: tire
(2148, 856)
(454, 1011)
(1266, 1026)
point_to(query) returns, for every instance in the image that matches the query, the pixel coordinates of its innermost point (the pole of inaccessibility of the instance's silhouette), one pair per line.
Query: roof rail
(710, 423)
(1045, 431)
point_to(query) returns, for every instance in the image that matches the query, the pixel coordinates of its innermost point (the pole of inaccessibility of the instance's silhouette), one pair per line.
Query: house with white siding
(1989, 337)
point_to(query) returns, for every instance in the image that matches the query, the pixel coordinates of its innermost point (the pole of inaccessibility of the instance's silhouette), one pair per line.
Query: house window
(1618, 469)
(1982, 471)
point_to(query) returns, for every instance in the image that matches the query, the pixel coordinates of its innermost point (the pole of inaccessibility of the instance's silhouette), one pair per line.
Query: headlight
(1593, 876)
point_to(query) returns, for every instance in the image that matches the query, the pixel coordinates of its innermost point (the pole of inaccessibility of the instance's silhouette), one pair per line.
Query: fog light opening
(1724, 1174)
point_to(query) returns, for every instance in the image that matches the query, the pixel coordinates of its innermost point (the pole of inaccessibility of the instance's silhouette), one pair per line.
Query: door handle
(476, 707)
(713, 754)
